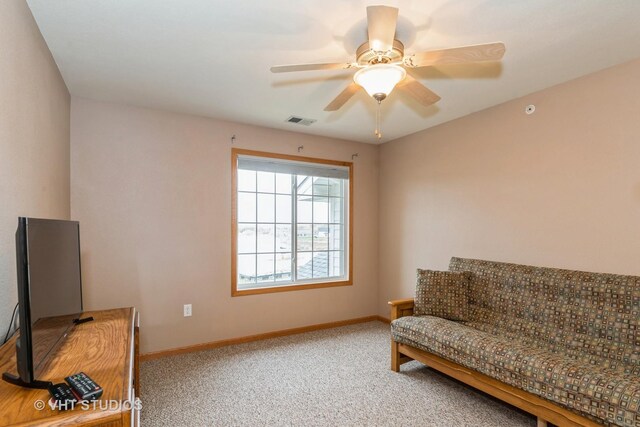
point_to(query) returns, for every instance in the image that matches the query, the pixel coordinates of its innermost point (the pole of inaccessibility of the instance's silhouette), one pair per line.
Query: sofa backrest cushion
(576, 312)
(442, 294)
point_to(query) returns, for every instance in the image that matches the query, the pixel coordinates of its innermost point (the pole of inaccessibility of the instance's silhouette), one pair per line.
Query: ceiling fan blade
(343, 97)
(381, 26)
(419, 91)
(310, 67)
(457, 55)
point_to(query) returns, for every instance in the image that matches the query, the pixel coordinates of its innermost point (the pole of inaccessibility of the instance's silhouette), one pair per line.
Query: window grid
(315, 251)
(263, 227)
(294, 251)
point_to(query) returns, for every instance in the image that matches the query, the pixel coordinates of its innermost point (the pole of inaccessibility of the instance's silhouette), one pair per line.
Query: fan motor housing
(366, 56)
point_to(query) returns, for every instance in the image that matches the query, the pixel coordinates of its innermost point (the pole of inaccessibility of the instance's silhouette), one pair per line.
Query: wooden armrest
(403, 302)
(401, 308)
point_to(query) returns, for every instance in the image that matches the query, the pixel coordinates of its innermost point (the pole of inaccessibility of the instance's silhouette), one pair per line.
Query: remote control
(62, 396)
(84, 387)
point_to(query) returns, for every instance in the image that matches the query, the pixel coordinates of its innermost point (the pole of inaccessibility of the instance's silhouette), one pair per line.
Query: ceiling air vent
(300, 120)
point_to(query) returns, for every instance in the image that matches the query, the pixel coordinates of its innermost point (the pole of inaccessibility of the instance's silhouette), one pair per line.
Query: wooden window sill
(288, 288)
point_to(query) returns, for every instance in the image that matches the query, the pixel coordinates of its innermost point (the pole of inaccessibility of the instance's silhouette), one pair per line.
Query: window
(291, 223)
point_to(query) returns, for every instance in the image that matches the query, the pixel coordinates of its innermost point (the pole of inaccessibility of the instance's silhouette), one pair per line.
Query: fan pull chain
(377, 132)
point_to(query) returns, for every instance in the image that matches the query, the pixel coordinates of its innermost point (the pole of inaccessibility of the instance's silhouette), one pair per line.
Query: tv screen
(49, 292)
(55, 288)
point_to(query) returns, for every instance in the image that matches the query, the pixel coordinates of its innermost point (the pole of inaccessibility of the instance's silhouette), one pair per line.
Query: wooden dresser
(106, 349)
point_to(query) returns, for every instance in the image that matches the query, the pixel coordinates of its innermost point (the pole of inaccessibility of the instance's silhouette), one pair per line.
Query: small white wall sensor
(530, 109)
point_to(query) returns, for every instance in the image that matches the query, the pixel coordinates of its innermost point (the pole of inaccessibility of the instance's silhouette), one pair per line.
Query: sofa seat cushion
(567, 348)
(596, 391)
(584, 315)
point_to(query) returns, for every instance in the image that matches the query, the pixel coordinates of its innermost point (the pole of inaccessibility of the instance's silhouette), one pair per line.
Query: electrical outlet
(187, 310)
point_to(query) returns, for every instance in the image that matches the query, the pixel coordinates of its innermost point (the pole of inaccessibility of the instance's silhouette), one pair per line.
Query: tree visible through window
(291, 222)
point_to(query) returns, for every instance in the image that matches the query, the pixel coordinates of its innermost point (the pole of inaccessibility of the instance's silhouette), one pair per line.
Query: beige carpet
(334, 377)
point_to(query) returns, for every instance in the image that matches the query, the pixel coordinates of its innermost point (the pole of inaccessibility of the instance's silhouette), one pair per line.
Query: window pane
(246, 269)
(283, 209)
(320, 237)
(335, 237)
(320, 264)
(266, 238)
(246, 238)
(336, 264)
(335, 189)
(336, 210)
(305, 209)
(283, 183)
(246, 207)
(246, 180)
(266, 182)
(283, 267)
(304, 237)
(304, 184)
(266, 264)
(305, 266)
(320, 209)
(283, 238)
(266, 208)
(320, 186)
(271, 207)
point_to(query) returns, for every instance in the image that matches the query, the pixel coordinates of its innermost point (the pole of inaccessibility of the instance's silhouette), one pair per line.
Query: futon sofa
(563, 345)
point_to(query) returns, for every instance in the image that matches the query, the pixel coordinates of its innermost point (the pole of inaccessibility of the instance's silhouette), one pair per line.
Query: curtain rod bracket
(354, 155)
(233, 139)
(300, 148)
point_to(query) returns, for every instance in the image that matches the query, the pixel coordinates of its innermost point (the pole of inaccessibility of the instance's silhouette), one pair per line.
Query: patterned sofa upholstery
(570, 337)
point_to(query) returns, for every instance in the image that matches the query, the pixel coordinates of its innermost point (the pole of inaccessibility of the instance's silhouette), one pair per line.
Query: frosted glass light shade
(380, 79)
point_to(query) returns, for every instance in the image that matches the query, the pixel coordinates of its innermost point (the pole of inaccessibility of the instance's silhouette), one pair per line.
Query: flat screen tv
(49, 293)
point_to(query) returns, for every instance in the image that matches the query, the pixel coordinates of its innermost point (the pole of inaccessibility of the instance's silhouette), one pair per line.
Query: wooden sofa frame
(546, 411)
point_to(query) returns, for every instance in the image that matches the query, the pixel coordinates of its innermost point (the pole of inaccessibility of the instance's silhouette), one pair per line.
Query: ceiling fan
(381, 62)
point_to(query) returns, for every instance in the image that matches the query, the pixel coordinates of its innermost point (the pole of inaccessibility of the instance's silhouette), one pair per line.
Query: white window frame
(347, 228)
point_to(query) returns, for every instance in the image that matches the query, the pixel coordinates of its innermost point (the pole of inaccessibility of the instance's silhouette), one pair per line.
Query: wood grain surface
(101, 348)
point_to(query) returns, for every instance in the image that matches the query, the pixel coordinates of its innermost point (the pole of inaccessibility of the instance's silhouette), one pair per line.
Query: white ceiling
(212, 57)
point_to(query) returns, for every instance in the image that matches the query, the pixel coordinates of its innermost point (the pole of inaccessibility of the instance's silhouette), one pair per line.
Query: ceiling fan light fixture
(379, 79)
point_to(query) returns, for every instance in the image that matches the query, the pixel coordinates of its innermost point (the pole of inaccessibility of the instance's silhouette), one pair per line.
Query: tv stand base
(81, 321)
(16, 380)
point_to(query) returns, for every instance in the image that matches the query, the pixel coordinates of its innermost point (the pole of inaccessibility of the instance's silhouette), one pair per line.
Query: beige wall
(152, 191)
(557, 188)
(34, 137)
